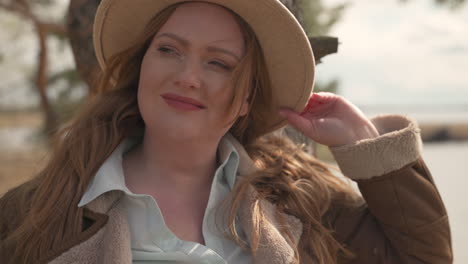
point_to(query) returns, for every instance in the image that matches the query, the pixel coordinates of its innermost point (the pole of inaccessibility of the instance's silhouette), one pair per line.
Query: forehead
(204, 23)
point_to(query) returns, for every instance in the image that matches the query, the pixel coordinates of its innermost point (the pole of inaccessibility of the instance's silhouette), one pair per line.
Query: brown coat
(402, 221)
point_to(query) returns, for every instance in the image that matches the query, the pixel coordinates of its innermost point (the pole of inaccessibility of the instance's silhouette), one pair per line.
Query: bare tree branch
(53, 28)
(20, 7)
(42, 80)
(23, 8)
(323, 46)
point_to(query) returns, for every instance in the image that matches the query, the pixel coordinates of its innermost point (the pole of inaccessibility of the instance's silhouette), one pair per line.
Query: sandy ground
(21, 154)
(21, 157)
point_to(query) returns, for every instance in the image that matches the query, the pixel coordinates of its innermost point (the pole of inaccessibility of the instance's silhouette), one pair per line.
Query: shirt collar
(110, 175)
(229, 158)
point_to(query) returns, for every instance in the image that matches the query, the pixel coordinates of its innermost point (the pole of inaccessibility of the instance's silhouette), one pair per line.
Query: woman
(170, 162)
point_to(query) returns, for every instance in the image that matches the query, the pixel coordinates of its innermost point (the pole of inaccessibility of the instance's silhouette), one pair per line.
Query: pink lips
(182, 103)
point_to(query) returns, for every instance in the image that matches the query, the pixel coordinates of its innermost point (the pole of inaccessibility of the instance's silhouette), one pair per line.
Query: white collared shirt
(151, 240)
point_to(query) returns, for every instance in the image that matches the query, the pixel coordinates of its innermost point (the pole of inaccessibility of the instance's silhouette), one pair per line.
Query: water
(448, 163)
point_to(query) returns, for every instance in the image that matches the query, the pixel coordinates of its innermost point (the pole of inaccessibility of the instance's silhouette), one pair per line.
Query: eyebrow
(185, 43)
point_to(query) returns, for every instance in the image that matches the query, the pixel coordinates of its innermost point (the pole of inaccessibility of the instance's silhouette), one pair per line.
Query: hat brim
(288, 54)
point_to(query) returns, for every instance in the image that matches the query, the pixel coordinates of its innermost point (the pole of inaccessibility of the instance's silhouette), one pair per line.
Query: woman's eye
(220, 64)
(167, 50)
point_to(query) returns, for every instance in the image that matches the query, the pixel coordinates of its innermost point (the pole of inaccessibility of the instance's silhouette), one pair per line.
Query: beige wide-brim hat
(285, 45)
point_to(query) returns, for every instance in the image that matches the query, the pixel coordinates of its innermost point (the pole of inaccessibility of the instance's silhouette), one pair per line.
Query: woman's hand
(331, 120)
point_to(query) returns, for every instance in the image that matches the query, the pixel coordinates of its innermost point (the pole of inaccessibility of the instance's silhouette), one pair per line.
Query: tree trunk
(294, 7)
(51, 121)
(80, 22)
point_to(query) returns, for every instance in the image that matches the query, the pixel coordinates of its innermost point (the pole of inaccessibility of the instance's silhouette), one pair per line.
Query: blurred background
(394, 57)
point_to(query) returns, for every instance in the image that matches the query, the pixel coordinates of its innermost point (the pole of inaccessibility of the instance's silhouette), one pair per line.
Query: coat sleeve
(403, 219)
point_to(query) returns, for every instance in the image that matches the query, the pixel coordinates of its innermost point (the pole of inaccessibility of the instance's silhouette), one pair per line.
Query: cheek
(149, 84)
(152, 77)
(227, 109)
(221, 96)
(145, 91)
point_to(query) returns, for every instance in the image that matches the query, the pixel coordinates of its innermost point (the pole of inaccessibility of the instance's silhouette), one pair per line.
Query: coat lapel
(106, 241)
(274, 247)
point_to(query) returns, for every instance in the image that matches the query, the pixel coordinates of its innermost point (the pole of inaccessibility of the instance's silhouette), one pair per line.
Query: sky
(413, 54)
(392, 56)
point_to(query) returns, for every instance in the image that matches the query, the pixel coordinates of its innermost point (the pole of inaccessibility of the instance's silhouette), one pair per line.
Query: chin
(174, 128)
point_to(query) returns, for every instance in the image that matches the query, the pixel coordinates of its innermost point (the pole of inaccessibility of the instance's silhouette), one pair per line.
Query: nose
(189, 76)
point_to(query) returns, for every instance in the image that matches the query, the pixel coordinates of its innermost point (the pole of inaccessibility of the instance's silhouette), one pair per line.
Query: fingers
(323, 97)
(299, 122)
(318, 103)
(312, 117)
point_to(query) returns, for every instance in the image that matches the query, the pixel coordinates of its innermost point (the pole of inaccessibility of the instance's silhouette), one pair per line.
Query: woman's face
(184, 87)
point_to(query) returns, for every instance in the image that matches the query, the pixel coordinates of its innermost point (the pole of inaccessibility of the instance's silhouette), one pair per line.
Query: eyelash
(167, 50)
(222, 65)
